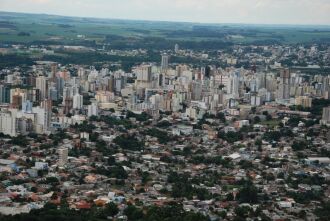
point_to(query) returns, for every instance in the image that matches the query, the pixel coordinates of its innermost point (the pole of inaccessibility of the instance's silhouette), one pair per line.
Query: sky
(203, 11)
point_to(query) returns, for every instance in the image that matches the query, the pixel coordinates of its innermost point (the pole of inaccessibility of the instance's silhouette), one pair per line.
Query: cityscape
(138, 120)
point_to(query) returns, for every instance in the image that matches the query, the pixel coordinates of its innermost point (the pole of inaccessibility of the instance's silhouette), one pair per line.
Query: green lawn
(271, 123)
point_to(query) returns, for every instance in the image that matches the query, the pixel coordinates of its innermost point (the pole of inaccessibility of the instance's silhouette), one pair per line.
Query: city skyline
(153, 110)
(290, 12)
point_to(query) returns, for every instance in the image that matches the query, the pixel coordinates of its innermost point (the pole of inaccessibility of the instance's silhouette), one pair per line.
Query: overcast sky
(209, 11)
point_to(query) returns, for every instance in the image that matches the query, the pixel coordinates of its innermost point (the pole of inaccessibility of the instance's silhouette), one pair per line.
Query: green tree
(129, 142)
(111, 209)
(248, 194)
(133, 213)
(256, 119)
(324, 211)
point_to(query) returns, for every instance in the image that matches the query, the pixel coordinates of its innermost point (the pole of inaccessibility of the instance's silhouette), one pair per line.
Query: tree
(243, 211)
(294, 121)
(129, 142)
(164, 124)
(111, 209)
(172, 212)
(272, 135)
(230, 137)
(248, 194)
(133, 213)
(258, 142)
(19, 140)
(256, 119)
(93, 118)
(269, 117)
(245, 164)
(162, 136)
(221, 117)
(145, 177)
(324, 211)
(139, 117)
(299, 145)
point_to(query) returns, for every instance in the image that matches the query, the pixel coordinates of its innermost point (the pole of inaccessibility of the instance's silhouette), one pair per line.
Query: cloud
(211, 11)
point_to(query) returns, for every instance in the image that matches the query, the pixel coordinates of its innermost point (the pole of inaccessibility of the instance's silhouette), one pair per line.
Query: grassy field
(25, 28)
(271, 123)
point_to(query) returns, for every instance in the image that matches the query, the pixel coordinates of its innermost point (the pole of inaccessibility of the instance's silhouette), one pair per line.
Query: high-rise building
(82, 74)
(261, 80)
(283, 92)
(93, 109)
(7, 123)
(41, 84)
(144, 76)
(164, 64)
(5, 94)
(27, 106)
(31, 80)
(68, 104)
(24, 125)
(59, 85)
(53, 71)
(233, 86)
(53, 93)
(77, 101)
(67, 93)
(304, 101)
(43, 116)
(47, 104)
(144, 73)
(326, 116)
(120, 81)
(256, 100)
(196, 90)
(16, 101)
(111, 84)
(176, 48)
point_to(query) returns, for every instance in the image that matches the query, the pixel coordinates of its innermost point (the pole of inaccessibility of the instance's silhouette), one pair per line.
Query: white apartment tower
(41, 84)
(326, 116)
(77, 101)
(93, 109)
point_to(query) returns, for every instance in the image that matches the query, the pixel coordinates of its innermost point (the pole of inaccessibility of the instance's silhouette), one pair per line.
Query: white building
(78, 101)
(42, 119)
(41, 84)
(233, 86)
(7, 123)
(325, 116)
(93, 109)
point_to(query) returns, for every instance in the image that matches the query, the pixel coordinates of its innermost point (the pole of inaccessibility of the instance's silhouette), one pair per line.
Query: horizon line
(169, 21)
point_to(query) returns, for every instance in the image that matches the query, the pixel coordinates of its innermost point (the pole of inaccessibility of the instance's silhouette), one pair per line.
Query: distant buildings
(176, 48)
(304, 101)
